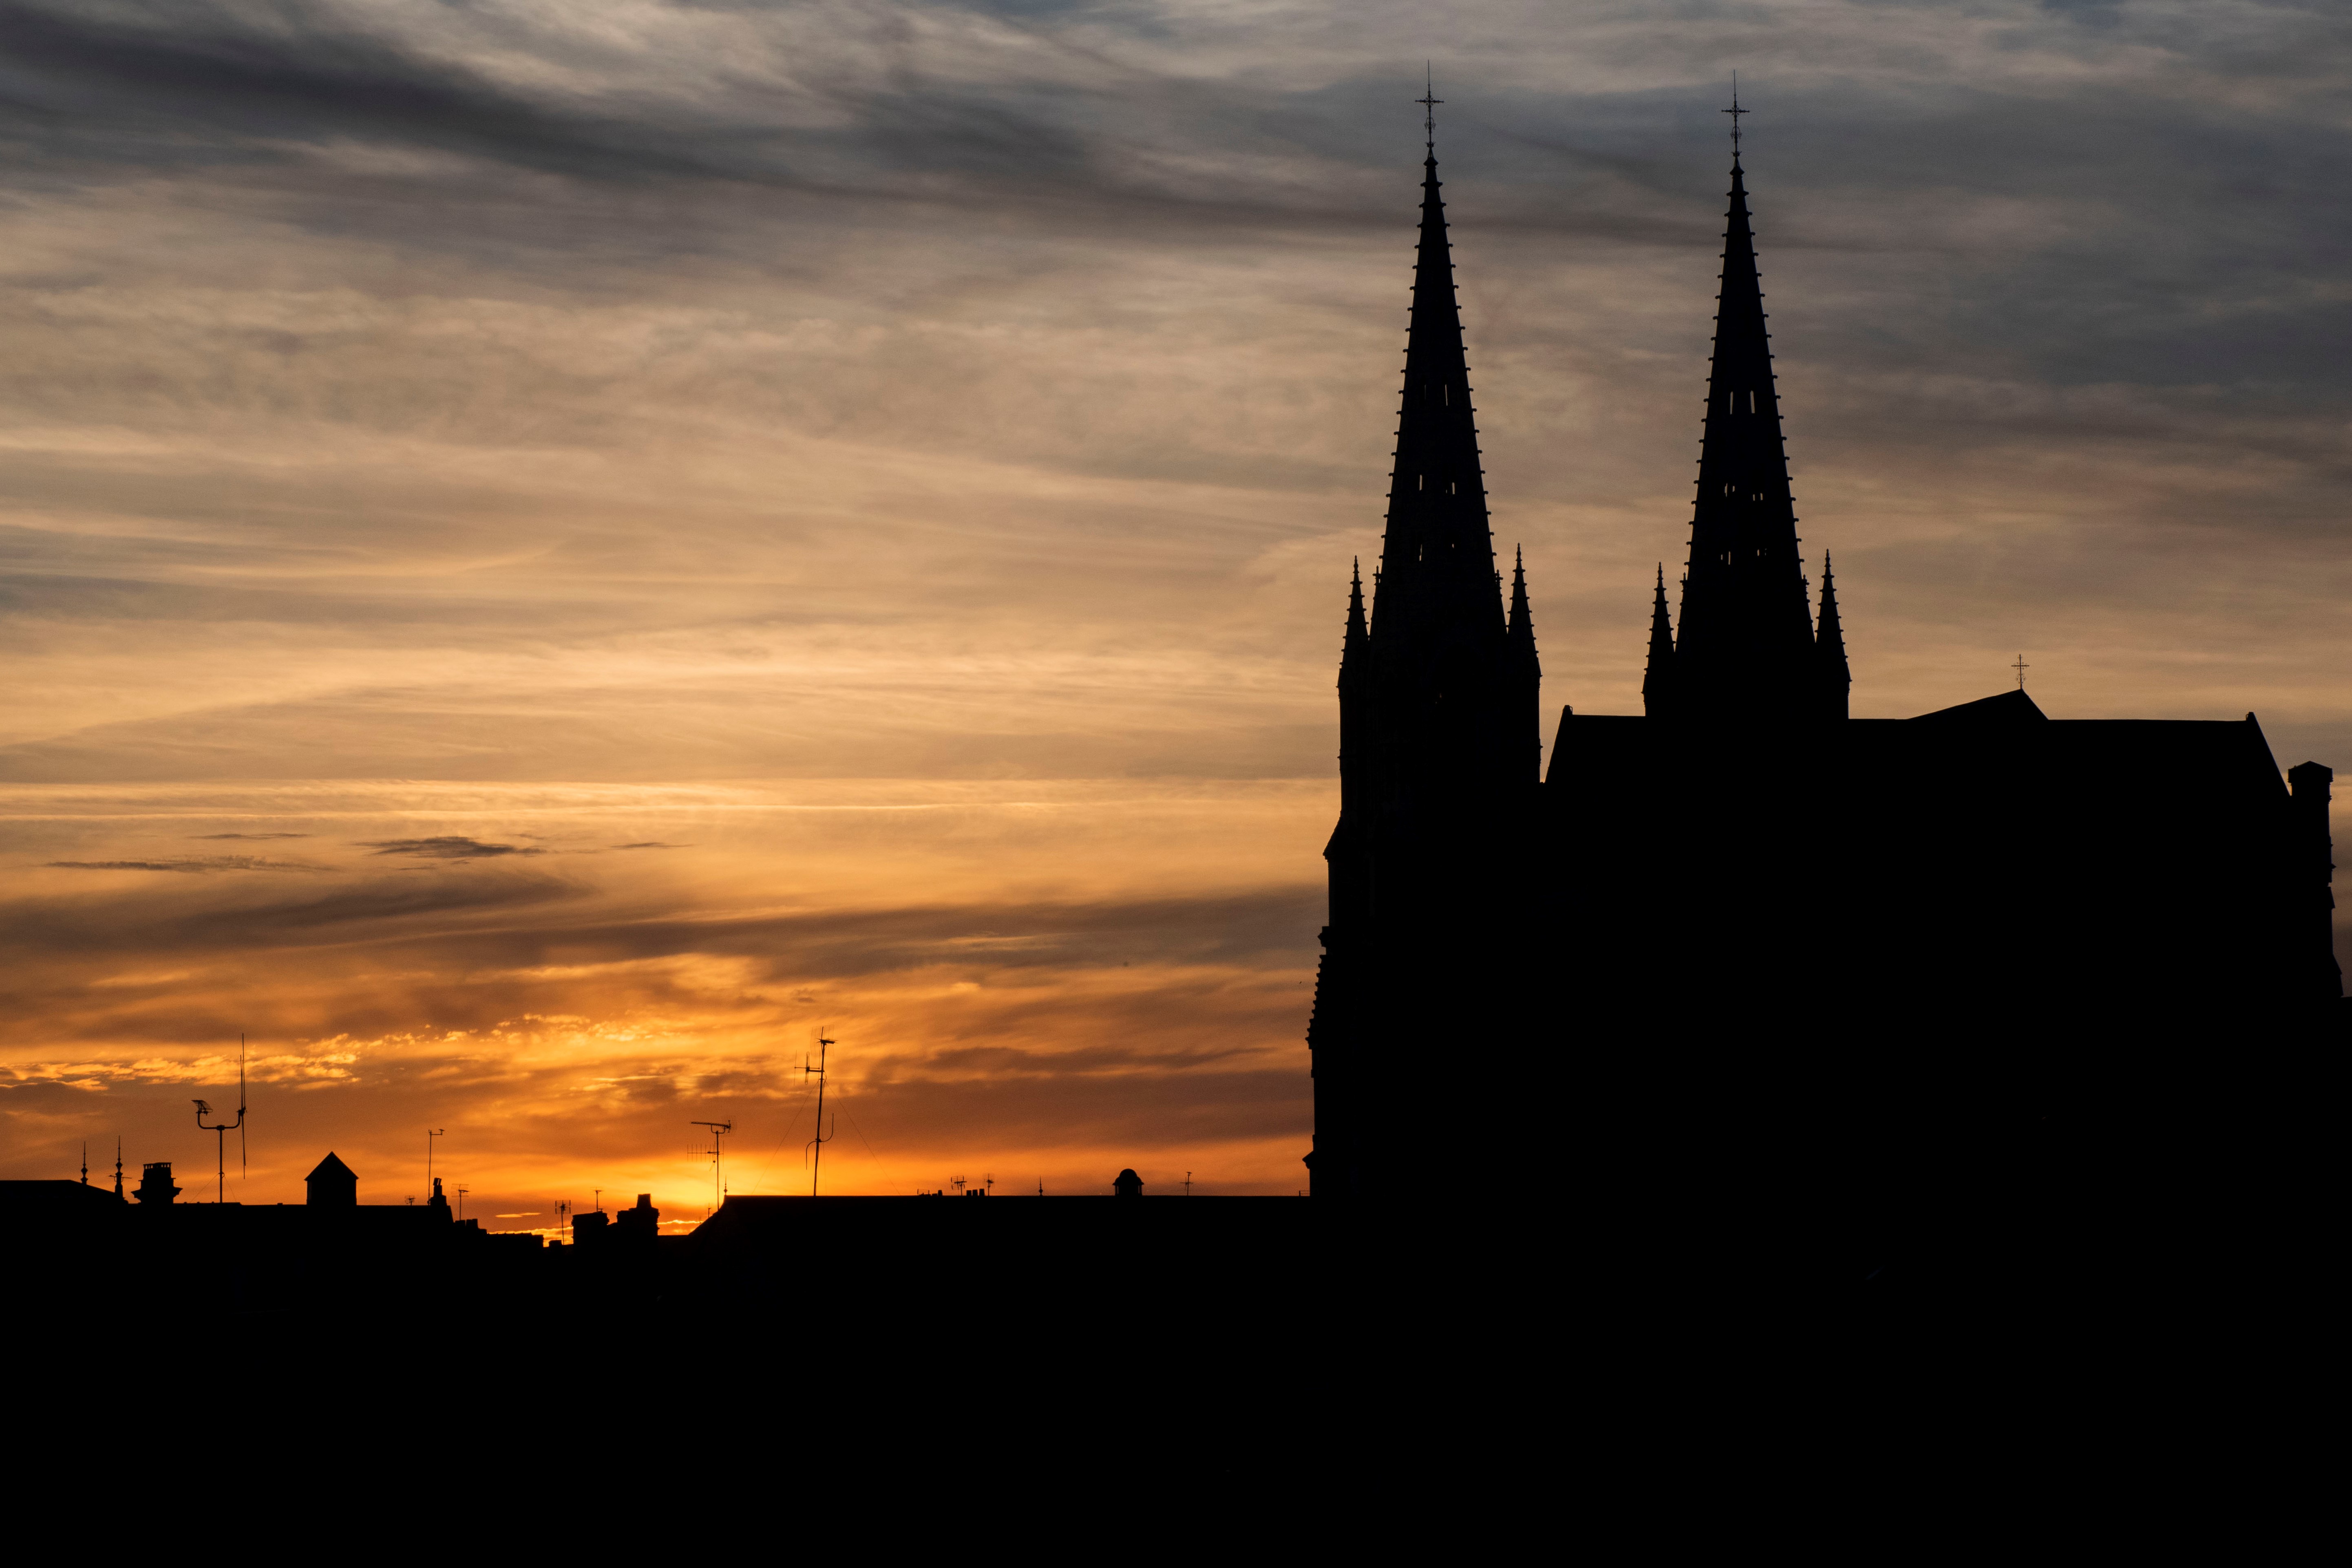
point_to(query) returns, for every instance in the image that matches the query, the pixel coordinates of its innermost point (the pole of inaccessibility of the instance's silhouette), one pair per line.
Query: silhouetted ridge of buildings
(1745, 951)
(337, 1261)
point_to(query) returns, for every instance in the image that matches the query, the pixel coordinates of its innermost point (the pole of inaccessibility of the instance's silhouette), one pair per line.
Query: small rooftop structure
(333, 1185)
(1128, 1184)
(155, 1183)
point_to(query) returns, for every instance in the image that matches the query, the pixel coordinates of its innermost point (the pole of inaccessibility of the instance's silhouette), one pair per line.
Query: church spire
(1437, 564)
(1829, 648)
(1746, 646)
(1658, 679)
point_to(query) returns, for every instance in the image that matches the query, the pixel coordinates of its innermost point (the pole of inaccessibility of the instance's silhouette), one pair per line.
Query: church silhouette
(1877, 986)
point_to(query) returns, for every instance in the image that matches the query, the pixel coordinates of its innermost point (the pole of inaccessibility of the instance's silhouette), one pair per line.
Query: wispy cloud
(900, 462)
(187, 863)
(449, 847)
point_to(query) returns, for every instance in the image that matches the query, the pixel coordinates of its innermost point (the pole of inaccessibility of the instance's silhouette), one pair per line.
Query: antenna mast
(717, 1186)
(220, 1131)
(817, 1145)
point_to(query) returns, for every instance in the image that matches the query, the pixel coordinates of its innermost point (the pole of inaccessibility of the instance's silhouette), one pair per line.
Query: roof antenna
(1429, 100)
(220, 1131)
(85, 1162)
(1736, 111)
(118, 1164)
(717, 1186)
(817, 1145)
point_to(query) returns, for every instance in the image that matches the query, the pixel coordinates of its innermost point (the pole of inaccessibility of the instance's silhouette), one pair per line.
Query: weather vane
(1429, 100)
(1736, 111)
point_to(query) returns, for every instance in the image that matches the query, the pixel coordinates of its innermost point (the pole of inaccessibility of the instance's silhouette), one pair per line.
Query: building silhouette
(332, 1184)
(155, 1184)
(1745, 953)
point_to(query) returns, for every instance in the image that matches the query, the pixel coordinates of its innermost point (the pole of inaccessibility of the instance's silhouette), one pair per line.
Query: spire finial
(1736, 111)
(1429, 100)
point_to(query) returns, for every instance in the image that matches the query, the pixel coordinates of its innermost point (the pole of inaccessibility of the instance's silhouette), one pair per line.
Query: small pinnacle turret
(1658, 678)
(1836, 678)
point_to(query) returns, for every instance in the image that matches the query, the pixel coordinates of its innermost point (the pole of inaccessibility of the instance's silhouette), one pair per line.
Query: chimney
(2315, 852)
(642, 1223)
(155, 1183)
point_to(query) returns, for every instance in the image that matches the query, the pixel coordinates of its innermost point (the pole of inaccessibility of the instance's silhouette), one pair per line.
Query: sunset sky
(551, 547)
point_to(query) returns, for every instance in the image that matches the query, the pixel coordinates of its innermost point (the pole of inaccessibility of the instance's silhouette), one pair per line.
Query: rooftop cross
(1429, 100)
(2021, 667)
(1736, 111)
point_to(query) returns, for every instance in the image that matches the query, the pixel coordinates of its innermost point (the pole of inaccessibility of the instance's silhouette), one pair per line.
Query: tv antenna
(221, 1130)
(431, 1134)
(118, 1164)
(1188, 1184)
(718, 1188)
(85, 1162)
(461, 1203)
(817, 1145)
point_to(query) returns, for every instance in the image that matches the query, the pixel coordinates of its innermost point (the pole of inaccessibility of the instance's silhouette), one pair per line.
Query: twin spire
(1437, 563)
(1748, 650)
(1747, 647)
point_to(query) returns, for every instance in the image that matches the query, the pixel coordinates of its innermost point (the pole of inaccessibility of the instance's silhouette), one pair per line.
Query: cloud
(252, 835)
(192, 863)
(449, 848)
(910, 453)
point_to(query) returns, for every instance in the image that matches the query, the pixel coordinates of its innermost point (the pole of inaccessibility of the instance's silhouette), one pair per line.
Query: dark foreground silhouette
(1747, 980)
(1757, 1068)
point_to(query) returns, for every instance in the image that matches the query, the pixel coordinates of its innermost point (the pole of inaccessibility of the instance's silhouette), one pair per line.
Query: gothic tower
(1747, 652)
(1438, 759)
